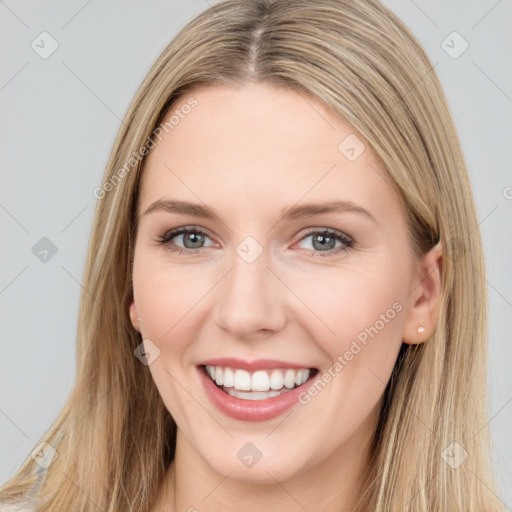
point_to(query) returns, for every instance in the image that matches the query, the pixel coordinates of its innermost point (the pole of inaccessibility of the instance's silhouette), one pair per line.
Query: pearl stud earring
(421, 329)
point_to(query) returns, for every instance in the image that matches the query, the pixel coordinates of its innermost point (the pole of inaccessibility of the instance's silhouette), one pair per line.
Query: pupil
(323, 242)
(199, 238)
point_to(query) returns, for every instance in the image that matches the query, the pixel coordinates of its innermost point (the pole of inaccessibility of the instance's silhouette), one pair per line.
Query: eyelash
(348, 242)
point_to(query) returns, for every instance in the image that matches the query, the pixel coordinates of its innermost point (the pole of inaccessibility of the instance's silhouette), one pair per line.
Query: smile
(255, 391)
(258, 385)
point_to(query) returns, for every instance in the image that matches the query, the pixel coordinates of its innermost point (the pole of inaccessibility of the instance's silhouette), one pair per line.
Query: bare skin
(248, 153)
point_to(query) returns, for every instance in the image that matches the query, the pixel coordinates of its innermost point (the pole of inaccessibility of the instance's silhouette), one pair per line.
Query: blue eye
(190, 235)
(323, 239)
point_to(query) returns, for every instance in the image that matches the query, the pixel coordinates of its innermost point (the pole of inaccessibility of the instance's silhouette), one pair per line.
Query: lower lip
(250, 410)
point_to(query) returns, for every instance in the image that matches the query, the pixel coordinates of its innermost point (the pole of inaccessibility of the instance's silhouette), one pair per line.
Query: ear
(425, 298)
(134, 316)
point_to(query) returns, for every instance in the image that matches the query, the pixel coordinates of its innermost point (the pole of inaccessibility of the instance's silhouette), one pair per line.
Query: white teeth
(242, 380)
(218, 376)
(276, 379)
(289, 378)
(229, 378)
(252, 395)
(259, 383)
(301, 377)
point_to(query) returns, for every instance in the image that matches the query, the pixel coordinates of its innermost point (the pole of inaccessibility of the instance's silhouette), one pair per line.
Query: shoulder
(8, 507)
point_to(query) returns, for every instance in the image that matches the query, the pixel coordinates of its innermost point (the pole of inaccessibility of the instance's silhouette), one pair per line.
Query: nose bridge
(251, 299)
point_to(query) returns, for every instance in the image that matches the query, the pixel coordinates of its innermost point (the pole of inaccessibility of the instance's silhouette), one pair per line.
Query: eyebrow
(287, 214)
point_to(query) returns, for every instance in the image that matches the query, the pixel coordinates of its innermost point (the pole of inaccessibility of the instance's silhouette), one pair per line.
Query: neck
(333, 484)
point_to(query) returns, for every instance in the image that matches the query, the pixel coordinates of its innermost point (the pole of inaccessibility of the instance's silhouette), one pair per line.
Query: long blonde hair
(114, 437)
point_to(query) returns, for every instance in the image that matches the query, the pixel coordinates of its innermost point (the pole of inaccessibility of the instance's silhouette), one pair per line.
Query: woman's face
(258, 292)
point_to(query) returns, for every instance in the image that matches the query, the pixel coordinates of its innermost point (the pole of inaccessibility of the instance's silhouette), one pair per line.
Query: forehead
(262, 145)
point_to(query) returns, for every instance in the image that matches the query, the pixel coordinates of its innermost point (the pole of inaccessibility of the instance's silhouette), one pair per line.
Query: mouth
(254, 393)
(259, 384)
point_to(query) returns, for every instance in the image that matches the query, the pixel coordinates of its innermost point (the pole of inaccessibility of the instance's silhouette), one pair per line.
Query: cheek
(352, 304)
(165, 299)
(364, 314)
(165, 302)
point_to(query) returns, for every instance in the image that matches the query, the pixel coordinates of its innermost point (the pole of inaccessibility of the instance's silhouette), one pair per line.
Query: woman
(284, 303)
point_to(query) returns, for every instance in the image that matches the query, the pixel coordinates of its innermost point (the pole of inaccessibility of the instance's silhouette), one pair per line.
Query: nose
(251, 300)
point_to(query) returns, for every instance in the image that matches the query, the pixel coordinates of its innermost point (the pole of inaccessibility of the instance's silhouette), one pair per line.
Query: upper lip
(256, 364)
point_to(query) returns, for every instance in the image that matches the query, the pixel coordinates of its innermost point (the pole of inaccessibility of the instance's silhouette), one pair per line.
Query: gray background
(59, 117)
